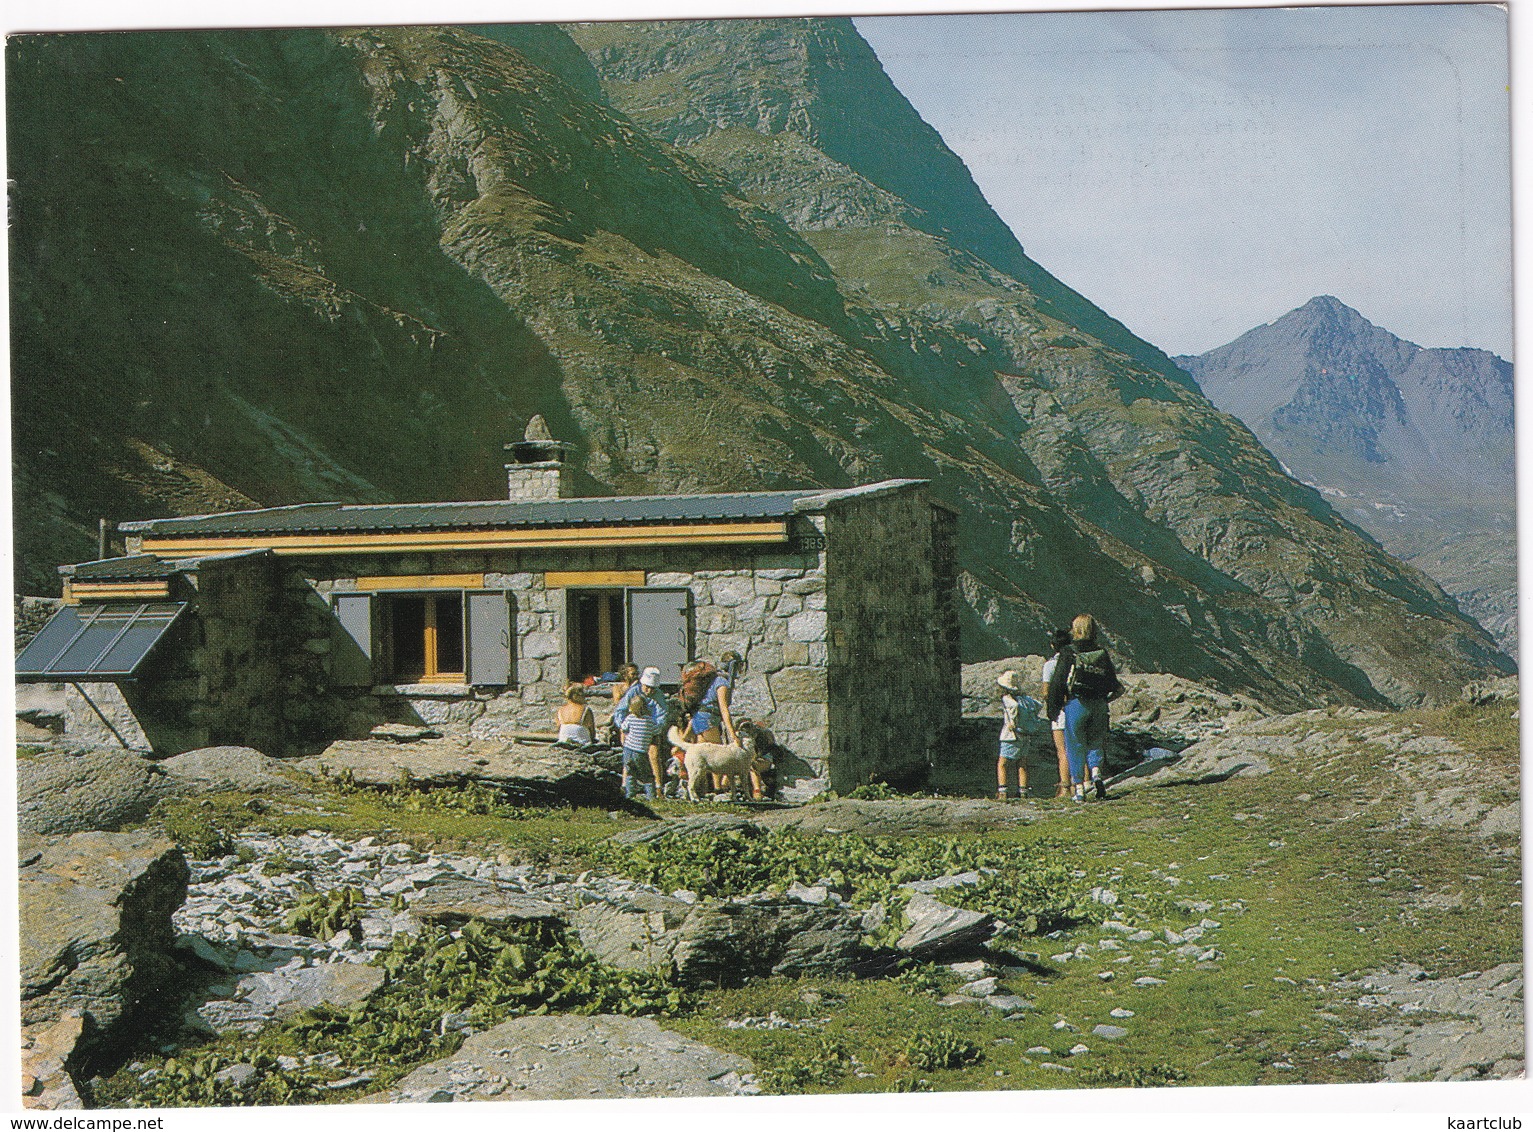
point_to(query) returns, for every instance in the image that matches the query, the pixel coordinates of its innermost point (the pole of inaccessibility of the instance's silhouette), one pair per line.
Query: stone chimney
(537, 469)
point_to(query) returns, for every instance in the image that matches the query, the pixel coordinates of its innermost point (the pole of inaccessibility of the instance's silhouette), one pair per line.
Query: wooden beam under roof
(401, 542)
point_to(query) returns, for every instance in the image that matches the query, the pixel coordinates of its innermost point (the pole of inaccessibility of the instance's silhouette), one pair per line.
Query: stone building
(288, 627)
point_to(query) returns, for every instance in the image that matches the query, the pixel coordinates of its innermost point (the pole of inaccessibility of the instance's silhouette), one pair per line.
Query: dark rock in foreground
(96, 939)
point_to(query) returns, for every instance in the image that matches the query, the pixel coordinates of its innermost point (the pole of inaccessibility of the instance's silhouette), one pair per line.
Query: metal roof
(316, 518)
(139, 567)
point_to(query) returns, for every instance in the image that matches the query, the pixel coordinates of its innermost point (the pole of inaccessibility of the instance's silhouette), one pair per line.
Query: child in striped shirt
(638, 728)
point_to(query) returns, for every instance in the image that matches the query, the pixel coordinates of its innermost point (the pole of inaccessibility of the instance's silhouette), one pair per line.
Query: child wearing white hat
(1010, 761)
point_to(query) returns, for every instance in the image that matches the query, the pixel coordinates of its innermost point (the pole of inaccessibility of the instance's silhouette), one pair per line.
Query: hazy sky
(1199, 173)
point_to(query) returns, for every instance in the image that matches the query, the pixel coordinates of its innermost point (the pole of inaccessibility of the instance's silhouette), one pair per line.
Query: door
(660, 630)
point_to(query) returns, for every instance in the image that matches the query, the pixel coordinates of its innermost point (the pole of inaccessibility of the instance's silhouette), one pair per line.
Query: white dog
(732, 760)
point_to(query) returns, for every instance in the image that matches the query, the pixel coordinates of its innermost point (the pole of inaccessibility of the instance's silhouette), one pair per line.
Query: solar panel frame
(113, 640)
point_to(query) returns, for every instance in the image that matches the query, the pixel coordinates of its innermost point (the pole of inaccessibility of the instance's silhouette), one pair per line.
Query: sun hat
(1009, 680)
(650, 677)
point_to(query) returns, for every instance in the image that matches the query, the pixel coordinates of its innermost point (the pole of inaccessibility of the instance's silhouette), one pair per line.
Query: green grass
(1313, 872)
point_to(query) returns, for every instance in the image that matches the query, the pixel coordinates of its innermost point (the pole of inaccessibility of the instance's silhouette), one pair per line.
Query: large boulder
(570, 1058)
(455, 902)
(724, 942)
(903, 817)
(63, 792)
(214, 770)
(96, 934)
(537, 774)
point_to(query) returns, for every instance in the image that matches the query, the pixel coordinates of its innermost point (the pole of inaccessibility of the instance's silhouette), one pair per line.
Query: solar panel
(96, 642)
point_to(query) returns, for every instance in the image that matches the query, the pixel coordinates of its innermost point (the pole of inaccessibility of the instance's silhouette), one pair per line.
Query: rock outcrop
(538, 774)
(569, 1058)
(213, 770)
(64, 791)
(96, 946)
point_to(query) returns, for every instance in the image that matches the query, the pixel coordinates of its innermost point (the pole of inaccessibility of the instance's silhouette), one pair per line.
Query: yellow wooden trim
(69, 593)
(559, 579)
(423, 582)
(581, 538)
(443, 678)
(81, 591)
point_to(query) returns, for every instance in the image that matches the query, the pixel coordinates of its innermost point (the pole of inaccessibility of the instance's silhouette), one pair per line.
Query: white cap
(1009, 680)
(650, 677)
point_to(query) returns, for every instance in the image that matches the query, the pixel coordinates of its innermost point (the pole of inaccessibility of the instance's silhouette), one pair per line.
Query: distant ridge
(1413, 444)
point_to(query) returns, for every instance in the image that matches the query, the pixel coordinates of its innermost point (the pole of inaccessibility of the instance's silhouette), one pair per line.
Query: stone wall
(767, 603)
(893, 676)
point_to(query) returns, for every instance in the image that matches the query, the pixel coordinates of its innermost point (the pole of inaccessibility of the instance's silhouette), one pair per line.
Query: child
(1011, 746)
(638, 729)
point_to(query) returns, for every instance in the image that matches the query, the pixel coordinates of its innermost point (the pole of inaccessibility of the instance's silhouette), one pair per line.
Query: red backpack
(696, 679)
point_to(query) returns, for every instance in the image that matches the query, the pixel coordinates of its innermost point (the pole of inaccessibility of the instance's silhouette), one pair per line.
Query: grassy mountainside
(305, 265)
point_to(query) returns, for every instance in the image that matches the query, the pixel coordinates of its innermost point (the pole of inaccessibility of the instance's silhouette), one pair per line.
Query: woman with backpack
(1059, 642)
(705, 692)
(1085, 685)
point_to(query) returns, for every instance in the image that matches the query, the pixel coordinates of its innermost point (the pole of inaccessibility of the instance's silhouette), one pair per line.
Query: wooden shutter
(487, 621)
(351, 648)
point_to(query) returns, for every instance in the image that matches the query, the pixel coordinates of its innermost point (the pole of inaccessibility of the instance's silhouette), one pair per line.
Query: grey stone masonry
(893, 674)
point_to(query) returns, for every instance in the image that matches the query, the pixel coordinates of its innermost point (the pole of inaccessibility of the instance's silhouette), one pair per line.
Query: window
(638, 625)
(597, 642)
(426, 638)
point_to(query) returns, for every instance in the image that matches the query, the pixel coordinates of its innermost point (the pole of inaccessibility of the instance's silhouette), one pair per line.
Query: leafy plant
(824, 1064)
(198, 827)
(939, 1049)
(324, 914)
(489, 972)
(1134, 1077)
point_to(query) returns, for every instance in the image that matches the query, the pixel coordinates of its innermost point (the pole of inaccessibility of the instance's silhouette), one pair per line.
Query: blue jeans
(1085, 735)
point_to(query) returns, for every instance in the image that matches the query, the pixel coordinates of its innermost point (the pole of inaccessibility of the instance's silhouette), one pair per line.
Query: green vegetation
(487, 974)
(1315, 872)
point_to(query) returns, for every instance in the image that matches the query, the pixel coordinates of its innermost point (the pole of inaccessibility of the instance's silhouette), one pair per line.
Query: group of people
(1079, 681)
(642, 714)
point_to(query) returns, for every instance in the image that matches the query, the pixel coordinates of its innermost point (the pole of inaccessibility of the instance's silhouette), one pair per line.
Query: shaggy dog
(715, 758)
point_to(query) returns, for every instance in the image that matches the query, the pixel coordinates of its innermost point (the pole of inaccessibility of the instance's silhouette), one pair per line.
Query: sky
(1200, 173)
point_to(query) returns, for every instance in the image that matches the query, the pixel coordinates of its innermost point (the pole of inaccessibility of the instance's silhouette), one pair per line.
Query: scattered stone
(939, 883)
(808, 894)
(1120, 1012)
(1149, 981)
(239, 1075)
(1079, 1048)
(1112, 1033)
(980, 988)
(1008, 1003)
(562, 1057)
(970, 969)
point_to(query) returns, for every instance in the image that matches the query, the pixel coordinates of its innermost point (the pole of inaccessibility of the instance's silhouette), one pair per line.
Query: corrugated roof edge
(137, 525)
(153, 566)
(827, 499)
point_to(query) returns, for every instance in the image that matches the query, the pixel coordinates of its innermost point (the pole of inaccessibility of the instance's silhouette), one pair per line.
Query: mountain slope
(350, 265)
(1414, 445)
